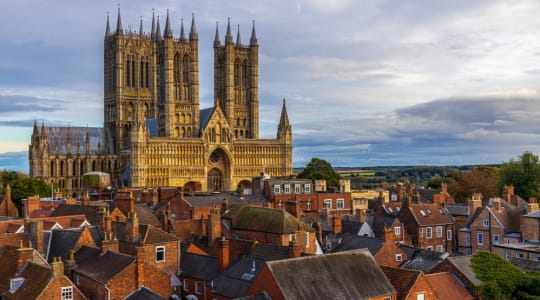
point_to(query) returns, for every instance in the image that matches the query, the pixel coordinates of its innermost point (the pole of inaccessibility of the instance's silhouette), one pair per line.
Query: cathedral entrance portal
(218, 176)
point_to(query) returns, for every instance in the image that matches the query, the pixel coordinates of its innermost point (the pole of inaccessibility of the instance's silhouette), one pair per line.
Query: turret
(168, 31)
(253, 39)
(284, 127)
(182, 33)
(193, 35)
(228, 35)
(141, 31)
(119, 29)
(238, 39)
(107, 27)
(217, 42)
(158, 31)
(153, 29)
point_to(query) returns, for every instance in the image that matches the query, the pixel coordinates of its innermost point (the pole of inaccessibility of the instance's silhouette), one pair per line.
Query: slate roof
(205, 115)
(143, 293)
(344, 275)
(269, 252)
(8, 261)
(430, 214)
(264, 219)
(36, 277)
(463, 264)
(345, 242)
(535, 215)
(447, 287)
(57, 135)
(352, 227)
(198, 266)
(421, 259)
(209, 199)
(91, 262)
(458, 209)
(148, 234)
(379, 222)
(235, 281)
(145, 215)
(63, 240)
(403, 280)
(259, 296)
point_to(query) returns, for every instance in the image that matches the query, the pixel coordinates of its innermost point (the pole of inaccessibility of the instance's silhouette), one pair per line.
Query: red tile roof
(403, 280)
(448, 287)
(430, 214)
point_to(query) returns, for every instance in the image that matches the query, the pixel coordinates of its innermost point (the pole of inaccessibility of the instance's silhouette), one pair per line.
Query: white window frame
(507, 255)
(438, 231)
(448, 235)
(440, 248)
(519, 254)
(496, 239)
(292, 237)
(536, 258)
(186, 285)
(420, 296)
(421, 232)
(480, 238)
(340, 203)
(297, 189)
(77, 279)
(15, 284)
(308, 204)
(327, 203)
(277, 189)
(287, 189)
(397, 230)
(160, 250)
(399, 257)
(486, 222)
(429, 232)
(307, 188)
(198, 288)
(307, 239)
(66, 293)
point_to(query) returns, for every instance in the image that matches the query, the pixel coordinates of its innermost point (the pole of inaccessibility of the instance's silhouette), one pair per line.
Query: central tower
(236, 77)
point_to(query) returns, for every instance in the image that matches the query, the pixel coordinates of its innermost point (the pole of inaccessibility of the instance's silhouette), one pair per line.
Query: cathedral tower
(236, 77)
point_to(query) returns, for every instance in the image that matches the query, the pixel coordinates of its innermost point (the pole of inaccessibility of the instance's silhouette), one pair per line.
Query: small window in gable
(15, 283)
(160, 253)
(67, 293)
(398, 257)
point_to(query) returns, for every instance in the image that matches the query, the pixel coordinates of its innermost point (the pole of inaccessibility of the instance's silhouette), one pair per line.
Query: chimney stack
(497, 204)
(475, 202)
(387, 234)
(294, 249)
(336, 224)
(86, 198)
(140, 266)
(361, 215)
(532, 206)
(223, 254)
(57, 267)
(132, 227)
(35, 229)
(214, 225)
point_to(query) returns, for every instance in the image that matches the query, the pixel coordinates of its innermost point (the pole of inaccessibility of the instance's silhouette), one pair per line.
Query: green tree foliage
(23, 186)
(478, 180)
(502, 280)
(320, 169)
(523, 173)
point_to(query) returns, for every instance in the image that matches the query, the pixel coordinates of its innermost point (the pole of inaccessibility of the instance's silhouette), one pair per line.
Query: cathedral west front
(155, 133)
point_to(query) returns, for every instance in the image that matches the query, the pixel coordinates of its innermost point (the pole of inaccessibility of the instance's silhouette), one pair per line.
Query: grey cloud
(18, 103)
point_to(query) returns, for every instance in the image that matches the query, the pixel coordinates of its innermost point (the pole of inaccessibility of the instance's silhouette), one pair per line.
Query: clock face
(393, 197)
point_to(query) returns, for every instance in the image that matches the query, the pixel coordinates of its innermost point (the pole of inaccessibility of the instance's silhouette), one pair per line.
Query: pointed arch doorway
(219, 172)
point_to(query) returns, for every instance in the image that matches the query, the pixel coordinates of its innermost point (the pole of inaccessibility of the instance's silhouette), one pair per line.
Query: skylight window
(422, 212)
(15, 283)
(247, 276)
(390, 210)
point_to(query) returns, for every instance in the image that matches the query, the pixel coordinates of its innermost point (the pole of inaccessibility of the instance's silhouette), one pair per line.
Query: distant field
(351, 173)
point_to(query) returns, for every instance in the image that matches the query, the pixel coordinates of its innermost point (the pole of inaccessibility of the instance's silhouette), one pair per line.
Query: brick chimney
(132, 227)
(294, 249)
(509, 194)
(336, 224)
(24, 255)
(293, 207)
(140, 266)
(360, 215)
(32, 203)
(475, 202)
(57, 267)
(35, 229)
(86, 198)
(496, 204)
(387, 234)
(532, 206)
(223, 254)
(110, 244)
(214, 225)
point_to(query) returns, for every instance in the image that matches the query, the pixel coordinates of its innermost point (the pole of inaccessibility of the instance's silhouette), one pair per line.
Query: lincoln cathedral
(155, 133)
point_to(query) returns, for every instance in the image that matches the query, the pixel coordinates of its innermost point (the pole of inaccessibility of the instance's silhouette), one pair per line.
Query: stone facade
(155, 133)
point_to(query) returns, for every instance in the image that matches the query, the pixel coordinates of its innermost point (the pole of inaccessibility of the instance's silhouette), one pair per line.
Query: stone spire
(284, 120)
(253, 39)
(238, 39)
(107, 27)
(217, 42)
(193, 35)
(141, 31)
(168, 30)
(153, 30)
(158, 31)
(119, 29)
(182, 33)
(228, 35)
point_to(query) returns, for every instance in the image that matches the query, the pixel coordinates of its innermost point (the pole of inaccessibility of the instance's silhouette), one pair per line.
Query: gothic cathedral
(155, 133)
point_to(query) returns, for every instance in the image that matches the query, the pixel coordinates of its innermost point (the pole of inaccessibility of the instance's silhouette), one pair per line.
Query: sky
(366, 82)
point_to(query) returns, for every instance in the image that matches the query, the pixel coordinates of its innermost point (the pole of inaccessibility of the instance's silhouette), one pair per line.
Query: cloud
(19, 103)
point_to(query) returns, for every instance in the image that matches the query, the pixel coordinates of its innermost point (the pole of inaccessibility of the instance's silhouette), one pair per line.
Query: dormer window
(15, 283)
(486, 223)
(277, 189)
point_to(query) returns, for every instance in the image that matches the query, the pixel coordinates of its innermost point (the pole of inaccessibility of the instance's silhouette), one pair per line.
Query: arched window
(147, 77)
(183, 132)
(61, 168)
(128, 72)
(52, 169)
(177, 76)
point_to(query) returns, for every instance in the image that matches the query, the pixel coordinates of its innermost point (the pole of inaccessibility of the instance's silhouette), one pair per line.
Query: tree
(523, 173)
(23, 186)
(320, 169)
(478, 180)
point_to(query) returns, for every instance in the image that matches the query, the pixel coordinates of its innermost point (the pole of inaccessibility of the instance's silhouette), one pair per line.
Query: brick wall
(386, 256)
(265, 282)
(421, 286)
(54, 290)
(530, 228)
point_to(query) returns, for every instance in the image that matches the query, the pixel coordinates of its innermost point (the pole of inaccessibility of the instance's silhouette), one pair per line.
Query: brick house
(272, 226)
(529, 223)
(26, 275)
(198, 268)
(344, 275)
(409, 284)
(446, 287)
(460, 268)
(427, 226)
(489, 226)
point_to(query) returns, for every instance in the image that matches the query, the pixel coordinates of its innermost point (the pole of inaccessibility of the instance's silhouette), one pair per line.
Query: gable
(216, 124)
